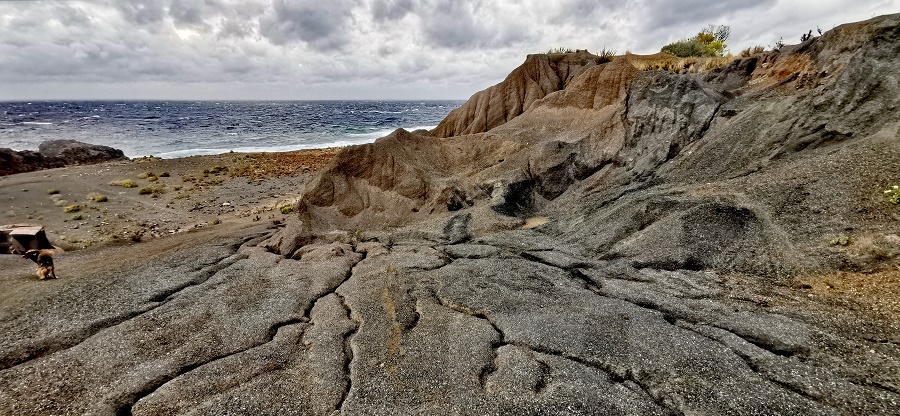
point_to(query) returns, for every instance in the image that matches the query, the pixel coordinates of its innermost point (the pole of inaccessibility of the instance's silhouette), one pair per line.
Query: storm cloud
(350, 49)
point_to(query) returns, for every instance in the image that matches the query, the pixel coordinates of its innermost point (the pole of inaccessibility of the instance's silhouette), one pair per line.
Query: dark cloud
(322, 25)
(662, 13)
(142, 11)
(585, 12)
(384, 10)
(386, 48)
(234, 28)
(191, 13)
(464, 25)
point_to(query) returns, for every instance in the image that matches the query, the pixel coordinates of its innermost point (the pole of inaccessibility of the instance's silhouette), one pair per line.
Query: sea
(170, 129)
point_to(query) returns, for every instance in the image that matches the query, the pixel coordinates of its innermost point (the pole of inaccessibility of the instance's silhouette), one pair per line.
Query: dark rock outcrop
(56, 154)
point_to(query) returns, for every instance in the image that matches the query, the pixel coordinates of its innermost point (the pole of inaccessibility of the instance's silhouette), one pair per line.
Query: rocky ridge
(55, 154)
(633, 242)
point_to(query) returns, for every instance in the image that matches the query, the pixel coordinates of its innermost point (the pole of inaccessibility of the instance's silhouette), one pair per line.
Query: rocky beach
(593, 235)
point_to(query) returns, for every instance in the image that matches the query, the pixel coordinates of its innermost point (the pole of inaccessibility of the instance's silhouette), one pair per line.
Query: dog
(44, 262)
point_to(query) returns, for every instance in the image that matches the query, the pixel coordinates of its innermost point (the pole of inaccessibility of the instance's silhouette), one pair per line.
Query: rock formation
(55, 154)
(685, 261)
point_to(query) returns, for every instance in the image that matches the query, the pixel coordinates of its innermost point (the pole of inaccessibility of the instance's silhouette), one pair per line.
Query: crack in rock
(59, 344)
(126, 407)
(614, 375)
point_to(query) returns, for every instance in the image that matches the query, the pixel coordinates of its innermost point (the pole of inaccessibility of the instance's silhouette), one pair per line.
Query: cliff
(540, 75)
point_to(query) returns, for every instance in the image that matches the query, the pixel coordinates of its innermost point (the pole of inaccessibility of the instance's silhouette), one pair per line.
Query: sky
(351, 49)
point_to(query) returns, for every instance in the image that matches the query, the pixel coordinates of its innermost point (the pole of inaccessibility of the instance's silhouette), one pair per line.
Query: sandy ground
(85, 206)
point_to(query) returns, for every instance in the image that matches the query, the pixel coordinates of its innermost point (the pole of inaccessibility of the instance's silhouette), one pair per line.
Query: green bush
(72, 208)
(287, 209)
(710, 41)
(893, 194)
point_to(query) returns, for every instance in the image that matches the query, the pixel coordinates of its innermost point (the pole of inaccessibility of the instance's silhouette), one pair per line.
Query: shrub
(147, 174)
(215, 170)
(287, 209)
(893, 194)
(96, 197)
(52, 191)
(710, 41)
(606, 55)
(72, 208)
(164, 175)
(153, 190)
(76, 217)
(840, 240)
(125, 183)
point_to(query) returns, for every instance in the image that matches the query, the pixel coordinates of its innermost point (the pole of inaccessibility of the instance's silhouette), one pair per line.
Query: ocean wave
(348, 140)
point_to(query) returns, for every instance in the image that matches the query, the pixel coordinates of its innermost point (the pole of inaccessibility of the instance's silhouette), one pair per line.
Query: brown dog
(44, 263)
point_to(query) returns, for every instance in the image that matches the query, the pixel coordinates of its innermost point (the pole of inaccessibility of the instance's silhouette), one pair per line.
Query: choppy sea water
(184, 128)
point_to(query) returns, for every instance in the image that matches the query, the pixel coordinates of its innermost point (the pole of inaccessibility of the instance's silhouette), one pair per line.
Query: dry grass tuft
(672, 63)
(97, 197)
(125, 183)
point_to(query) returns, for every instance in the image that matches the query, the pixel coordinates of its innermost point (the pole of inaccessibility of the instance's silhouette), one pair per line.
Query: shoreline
(127, 202)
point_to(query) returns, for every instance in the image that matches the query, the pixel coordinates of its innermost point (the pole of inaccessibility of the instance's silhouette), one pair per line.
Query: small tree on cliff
(709, 42)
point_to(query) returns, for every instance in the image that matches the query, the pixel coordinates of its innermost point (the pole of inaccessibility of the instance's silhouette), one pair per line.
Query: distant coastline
(172, 129)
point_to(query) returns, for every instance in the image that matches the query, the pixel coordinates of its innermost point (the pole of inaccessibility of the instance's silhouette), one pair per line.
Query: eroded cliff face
(539, 76)
(571, 135)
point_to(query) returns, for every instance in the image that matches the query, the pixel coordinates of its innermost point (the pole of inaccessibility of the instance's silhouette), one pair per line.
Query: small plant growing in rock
(893, 194)
(76, 217)
(840, 240)
(752, 51)
(52, 191)
(164, 175)
(97, 197)
(287, 209)
(72, 208)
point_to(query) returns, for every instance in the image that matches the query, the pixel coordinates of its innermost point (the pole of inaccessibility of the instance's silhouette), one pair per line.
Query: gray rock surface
(637, 243)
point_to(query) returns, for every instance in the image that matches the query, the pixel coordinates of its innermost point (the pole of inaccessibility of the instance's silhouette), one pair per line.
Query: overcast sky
(351, 49)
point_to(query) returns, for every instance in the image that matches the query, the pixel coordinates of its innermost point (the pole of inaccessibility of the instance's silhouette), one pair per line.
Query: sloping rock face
(684, 262)
(55, 154)
(539, 76)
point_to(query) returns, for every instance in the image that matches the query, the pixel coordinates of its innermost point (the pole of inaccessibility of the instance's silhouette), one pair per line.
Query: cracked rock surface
(412, 326)
(624, 242)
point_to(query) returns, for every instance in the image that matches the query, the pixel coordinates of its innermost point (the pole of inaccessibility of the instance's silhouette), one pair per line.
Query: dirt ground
(147, 198)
